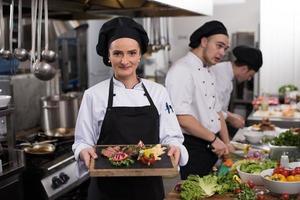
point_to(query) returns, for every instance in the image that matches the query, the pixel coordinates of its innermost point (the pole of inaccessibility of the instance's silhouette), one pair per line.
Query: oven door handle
(59, 163)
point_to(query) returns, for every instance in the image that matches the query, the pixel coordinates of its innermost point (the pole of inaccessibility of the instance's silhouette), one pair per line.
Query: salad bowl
(278, 186)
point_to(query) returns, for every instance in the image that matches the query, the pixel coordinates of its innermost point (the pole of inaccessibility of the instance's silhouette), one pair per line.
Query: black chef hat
(249, 56)
(206, 30)
(120, 27)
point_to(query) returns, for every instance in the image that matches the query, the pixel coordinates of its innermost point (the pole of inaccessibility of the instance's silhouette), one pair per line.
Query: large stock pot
(59, 114)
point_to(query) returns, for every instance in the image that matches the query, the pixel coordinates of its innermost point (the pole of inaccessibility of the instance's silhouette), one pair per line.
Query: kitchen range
(51, 175)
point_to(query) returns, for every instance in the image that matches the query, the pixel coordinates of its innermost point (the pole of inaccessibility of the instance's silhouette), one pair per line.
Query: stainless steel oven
(53, 176)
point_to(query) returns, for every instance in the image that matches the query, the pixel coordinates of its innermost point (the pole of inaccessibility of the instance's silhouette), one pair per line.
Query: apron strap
(111, 93)
(147, 95)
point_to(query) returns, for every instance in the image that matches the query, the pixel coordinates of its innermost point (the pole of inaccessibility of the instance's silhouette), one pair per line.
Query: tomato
(297, 170)
(250, 184)
(285, 196)
(147, 160)
(285, 173)
(228, 162)
(275, 171)
(237, 190)
(293, 172)
(278, 170)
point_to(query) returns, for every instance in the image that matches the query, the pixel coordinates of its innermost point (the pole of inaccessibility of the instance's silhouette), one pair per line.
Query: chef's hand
(86, 155)
(219, 147)
(230, 147)
(237, 121)
(175, 152)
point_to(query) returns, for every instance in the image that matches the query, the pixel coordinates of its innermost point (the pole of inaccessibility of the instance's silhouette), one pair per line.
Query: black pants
(201, 158)
(231, 130)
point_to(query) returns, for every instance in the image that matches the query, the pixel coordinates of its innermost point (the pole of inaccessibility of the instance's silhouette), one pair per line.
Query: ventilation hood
(97, 9)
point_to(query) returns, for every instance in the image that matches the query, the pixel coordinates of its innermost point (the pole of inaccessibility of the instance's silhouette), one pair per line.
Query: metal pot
(59, 114)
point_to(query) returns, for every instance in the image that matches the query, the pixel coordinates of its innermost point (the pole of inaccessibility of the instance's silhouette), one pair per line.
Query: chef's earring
(109, 61)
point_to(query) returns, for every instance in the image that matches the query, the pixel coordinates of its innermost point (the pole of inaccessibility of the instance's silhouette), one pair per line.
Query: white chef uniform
(192, 89)
(224, 76)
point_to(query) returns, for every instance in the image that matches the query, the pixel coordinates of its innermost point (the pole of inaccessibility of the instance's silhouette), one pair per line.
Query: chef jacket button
(199, 69)
(212, 120)
(205, 95)
(209, 108)
(203, 81)
(213, 96)
(212, 83)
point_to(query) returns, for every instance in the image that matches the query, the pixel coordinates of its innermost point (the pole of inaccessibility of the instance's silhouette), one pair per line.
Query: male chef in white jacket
(192, 88)
(247, 62)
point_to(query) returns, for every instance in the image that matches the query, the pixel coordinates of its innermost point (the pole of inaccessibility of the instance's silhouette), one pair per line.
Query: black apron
(128, 125)
(201, 158)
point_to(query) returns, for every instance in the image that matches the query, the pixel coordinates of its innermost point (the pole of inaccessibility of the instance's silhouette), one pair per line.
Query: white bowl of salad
(250, 170)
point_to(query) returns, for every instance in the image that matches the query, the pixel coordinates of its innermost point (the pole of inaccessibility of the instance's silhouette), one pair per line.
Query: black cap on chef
(249, 56)
(206, 30)
(120, 27)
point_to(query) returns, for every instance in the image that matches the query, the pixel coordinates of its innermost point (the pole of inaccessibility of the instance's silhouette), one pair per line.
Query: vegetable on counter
(196, 187)
(255, 166)
(287, 138)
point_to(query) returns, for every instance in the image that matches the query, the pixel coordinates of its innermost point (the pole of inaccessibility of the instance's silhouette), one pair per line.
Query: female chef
(124, 110)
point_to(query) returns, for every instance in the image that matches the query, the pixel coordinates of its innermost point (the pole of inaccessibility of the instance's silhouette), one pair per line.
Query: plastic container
(284, 160)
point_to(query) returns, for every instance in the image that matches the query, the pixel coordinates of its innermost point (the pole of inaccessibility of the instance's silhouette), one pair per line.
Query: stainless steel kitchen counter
(282, 122)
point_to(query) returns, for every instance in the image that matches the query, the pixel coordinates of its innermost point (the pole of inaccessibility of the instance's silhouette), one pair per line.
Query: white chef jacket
(93, 109)
(192, 89)
(224, 76)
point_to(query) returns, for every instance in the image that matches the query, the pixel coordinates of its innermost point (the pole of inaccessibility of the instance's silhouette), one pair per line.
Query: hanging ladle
(47, 55)
(20, 53)
(42, 70)
(7, 54)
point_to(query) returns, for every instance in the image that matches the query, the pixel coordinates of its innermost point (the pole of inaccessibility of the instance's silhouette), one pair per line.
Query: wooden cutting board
(101, 167)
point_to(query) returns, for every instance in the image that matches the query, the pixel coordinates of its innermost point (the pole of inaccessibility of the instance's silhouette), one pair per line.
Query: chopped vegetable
(227, 183)
(150, 155)
(127, 162)
(228, 162)
(256, 166)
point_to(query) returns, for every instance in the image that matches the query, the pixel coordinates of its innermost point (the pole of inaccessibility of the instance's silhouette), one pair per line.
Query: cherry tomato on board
(146, 160)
